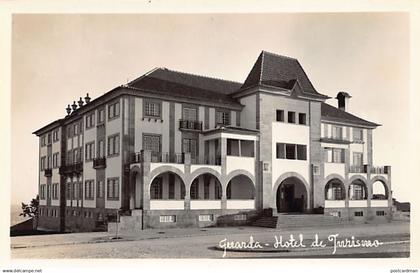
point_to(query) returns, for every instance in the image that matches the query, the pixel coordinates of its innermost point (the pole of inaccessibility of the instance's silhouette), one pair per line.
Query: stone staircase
(297, 220)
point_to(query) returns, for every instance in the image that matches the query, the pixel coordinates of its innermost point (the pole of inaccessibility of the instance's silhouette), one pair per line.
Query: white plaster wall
(240, 204)
(240, 163)
(334, 168)
(248, 113)
(334, 204)
(357, 203)
(322, 130)
(294, 134)
(205, 204)
(167, 204)
(379, 203)
(233, 118)
(157, 165)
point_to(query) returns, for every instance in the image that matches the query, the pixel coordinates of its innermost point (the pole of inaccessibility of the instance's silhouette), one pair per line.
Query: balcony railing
(48, 172)
(75, 168)
(335, 140)
(380, 169)
(99, 163)
(168, 158)
(190, 125)
(373, 169)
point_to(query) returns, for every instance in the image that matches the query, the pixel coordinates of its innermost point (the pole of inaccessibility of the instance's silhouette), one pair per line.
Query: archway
(206, 187)
(240, 187)
(167, 186)
(291, 195)
(379, 190)
(334, 190)
(358, 190)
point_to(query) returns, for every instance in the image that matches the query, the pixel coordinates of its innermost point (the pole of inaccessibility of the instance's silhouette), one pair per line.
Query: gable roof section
(331, 113)
(174, 83)
(279, 71)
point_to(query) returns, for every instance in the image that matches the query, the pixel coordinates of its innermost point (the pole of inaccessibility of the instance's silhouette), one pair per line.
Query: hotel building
(172, 149)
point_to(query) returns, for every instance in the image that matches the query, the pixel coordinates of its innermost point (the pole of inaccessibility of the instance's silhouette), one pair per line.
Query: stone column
(187, 183)
(146, 159)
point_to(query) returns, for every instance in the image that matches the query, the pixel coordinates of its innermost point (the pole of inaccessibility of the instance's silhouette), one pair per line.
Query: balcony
(178, 158)
(71, 169)
(190, 125)
(48, 172)
(335, 140)
(373, 169)
(99, 163)
(358, 169)
(207, 160)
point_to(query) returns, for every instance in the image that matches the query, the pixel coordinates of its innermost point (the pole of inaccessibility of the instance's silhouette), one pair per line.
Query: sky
(58, 58)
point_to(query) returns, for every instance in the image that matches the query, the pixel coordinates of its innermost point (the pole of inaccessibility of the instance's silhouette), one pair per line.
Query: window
(189, 113)
(151, 143)
(113, 145)
(76, 129)
(43, 161)
(291, 117)
(301, 152)
(190, 146)
(55, 135)
(89, 189)
(43, 142)
(101, 148)
(77, 155)
(334, 155)
(113, 188)
(80, 189)
(101, 116)
(357, 135)
(89, 151)
(75, 192)
(357, 159)
(90, 120)
(42, 192)
(55, 160)
(167, 218)
(337, 132)
(291, 151)
(152, 109)
(233, 147)
(49, 138)
(380, 213)
(114, 110)
(302, 118)
(49, 163)
(68, 191)
(55, 191)
(100, 189)
(156, 189)
(280, 115)
(205, 217)
(222, 117)
(358, 213)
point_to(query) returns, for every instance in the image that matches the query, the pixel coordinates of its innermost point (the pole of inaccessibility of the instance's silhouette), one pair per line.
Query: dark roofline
(344, 117)
(232, 129)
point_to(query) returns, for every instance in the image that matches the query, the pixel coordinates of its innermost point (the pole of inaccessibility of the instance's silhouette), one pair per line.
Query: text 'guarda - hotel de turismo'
(172, 149)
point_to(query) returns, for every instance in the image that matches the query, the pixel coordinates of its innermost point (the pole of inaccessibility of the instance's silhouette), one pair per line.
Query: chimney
(68, 109)
(80, 102)
(87, 98)
(343, 100)
(74, 106)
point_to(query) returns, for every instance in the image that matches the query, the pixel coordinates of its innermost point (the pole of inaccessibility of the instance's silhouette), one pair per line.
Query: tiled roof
(181, 84)
(279, 71)
(331, 113)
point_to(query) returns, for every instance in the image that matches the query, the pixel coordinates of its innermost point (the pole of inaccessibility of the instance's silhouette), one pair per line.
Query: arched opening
(334, 190)
(291, 195)
(167, 186)
(357, 190)
(379, 190)
(206, 187)
(240, 187)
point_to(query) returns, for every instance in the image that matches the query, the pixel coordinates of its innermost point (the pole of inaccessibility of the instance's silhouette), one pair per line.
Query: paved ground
(209, 242)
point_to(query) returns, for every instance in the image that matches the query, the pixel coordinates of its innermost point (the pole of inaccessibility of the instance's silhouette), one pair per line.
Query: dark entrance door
(287, 200)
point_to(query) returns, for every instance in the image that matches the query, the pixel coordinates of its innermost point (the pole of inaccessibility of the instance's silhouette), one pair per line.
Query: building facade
(172, 149)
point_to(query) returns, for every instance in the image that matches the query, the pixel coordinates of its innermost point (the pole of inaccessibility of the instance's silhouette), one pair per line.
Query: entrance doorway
(291, 196)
